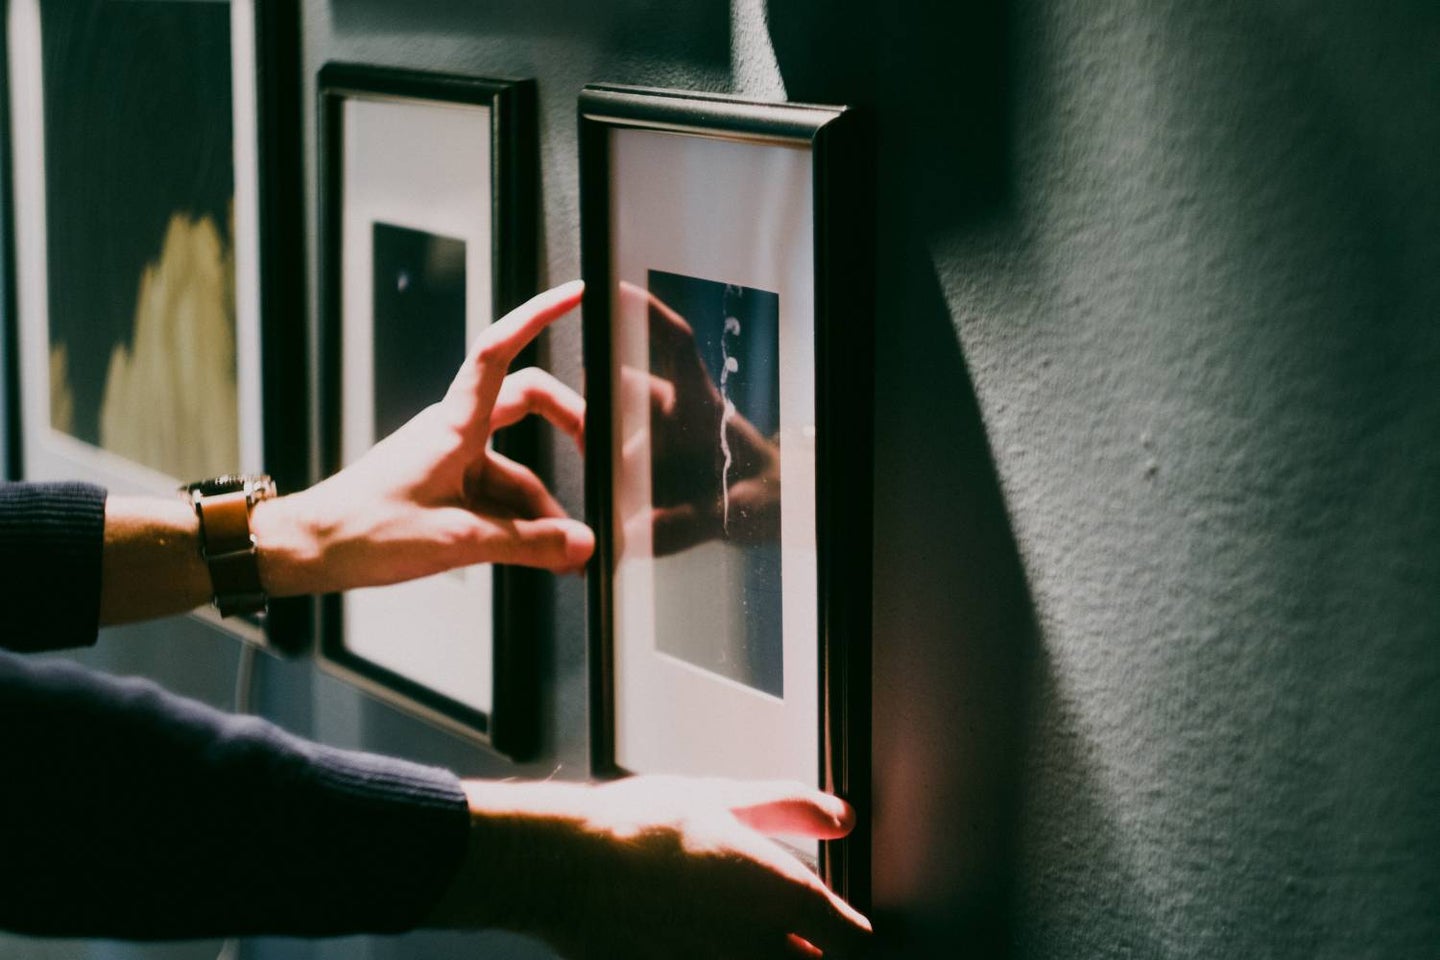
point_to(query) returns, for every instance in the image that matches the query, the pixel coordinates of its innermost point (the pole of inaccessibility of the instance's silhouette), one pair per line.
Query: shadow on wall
(954, 641)
(955, 633)
(936, 75)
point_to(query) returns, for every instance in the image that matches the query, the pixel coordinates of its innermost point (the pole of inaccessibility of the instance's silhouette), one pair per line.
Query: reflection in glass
(715, 476)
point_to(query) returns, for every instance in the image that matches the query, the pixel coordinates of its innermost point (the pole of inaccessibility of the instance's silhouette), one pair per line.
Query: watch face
(260, 485)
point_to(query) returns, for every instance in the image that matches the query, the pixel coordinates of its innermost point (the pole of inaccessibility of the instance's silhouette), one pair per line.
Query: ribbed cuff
(128, 812)
(52, 536)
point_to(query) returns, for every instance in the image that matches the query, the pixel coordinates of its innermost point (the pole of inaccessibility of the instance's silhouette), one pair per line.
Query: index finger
(503, 340)
(479, 379)
(819, 816)
(784, 806)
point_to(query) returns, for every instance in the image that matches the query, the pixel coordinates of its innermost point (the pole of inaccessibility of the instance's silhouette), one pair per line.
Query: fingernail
(841, 812)
(579, 545)
(804, 946)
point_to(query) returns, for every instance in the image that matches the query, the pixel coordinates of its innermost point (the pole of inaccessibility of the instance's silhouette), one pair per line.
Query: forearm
(129, 812)
(152, 563)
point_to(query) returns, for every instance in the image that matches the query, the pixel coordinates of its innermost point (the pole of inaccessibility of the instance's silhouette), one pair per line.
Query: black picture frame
(838, 142)
(265, 129)
(510, 727)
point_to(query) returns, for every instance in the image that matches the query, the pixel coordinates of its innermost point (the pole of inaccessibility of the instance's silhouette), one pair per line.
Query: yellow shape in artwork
(170, 400)
(62, 398)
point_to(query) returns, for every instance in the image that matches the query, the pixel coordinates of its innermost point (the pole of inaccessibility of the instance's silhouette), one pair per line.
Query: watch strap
(229, 550)
(223, 506)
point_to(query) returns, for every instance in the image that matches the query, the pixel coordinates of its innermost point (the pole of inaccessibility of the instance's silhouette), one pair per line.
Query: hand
(685, 456)
(652, 867)
(432, 496)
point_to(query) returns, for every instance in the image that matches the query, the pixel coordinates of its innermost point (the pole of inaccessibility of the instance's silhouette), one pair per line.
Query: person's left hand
(432, 496)
(653, 867)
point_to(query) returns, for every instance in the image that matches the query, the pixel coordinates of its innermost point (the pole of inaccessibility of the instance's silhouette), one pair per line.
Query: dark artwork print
(139, 185)
(419, 311)
(715, 476)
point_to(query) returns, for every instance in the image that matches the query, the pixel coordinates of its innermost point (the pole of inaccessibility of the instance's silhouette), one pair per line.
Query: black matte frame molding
(511, 727)
(840, 145)
(288, 625)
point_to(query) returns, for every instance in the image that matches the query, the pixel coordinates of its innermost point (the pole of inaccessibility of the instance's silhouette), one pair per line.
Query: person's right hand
(653, 867)
(432, 496)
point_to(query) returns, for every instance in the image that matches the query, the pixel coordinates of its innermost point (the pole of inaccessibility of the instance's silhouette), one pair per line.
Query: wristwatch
(223, 505)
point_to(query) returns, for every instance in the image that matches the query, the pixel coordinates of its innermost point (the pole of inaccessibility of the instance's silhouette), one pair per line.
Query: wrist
(288, 545)
(150, 564)
(524, 860)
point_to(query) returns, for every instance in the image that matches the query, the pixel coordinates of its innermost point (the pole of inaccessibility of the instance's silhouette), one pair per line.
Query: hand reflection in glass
(686, 454)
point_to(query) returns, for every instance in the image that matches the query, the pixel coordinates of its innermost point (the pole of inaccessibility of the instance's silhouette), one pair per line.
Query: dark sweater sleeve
(51, 538)
(128, 812)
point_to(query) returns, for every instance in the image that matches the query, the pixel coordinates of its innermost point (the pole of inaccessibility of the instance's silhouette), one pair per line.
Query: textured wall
(1157, 629)
(1206, 348)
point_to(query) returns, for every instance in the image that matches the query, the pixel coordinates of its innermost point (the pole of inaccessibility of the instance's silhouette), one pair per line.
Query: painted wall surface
(1157, 597)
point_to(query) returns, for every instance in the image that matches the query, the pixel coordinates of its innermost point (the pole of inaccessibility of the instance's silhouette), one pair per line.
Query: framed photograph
(727, 258)
(158, 307)
(428, 220)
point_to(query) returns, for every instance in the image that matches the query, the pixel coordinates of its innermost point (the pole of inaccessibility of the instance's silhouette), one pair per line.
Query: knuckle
(492, 354)
(549, 541)
(463, 539)
(530, 385)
